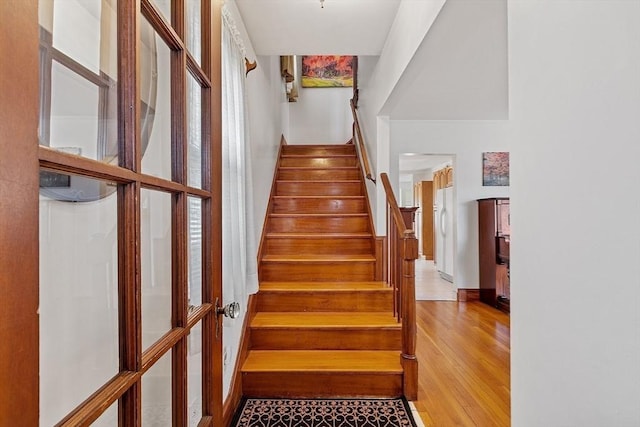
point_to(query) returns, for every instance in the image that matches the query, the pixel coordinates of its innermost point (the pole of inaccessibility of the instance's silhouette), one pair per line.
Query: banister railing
(359, 142)
(401, 254)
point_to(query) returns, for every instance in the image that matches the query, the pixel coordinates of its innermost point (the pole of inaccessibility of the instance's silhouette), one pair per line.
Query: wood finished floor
(464, 374)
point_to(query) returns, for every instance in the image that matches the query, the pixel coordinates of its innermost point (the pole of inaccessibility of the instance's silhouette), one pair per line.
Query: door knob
(230, 310)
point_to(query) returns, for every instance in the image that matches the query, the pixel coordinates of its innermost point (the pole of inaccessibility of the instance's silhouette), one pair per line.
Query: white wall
(575, 209)
(321, 115)
(266, 104)
(459, 71)
(411, 24)
(465, 141)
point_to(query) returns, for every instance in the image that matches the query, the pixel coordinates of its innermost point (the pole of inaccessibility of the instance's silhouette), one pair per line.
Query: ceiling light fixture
(321, 4)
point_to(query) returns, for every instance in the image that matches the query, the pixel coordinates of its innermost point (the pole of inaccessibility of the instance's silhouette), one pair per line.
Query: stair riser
(324, 339)
(317, 188)
(313, 385)
(347, 246)
(318, 174)
(304, 205)
(358, 224)
(318, 162)
(317, 272)
(303, 301)
(306, 150)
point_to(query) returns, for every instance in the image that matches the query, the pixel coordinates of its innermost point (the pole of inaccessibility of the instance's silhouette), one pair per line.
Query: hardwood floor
(464, 354)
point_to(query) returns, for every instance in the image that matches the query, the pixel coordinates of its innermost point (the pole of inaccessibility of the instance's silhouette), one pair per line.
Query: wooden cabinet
(494, 238)
(424, 228)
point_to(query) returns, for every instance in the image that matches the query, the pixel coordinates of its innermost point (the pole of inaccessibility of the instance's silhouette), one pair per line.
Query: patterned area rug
(323, 413)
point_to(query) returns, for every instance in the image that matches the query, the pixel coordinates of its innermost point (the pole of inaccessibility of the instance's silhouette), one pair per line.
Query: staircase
(323, 324)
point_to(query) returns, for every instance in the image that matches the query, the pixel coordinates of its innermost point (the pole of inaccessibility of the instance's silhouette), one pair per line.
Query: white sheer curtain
(239, 266)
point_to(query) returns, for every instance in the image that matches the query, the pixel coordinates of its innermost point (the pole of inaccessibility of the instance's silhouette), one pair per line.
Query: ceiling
(302, 27)
(412, 162)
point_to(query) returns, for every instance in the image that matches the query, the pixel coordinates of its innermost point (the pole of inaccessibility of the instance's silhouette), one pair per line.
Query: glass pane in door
(74, 116)
(194, 29)
(77, 30)
(78, 77)
(155, 102)
(109, 418)
(155, 219)
(194, 132)
(78, 293)
(156, 394)
(164, 6)
(194, 366)
(195, 252)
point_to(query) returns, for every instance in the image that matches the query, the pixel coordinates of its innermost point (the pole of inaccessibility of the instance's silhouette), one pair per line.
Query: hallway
(463, 353)
(430, 286)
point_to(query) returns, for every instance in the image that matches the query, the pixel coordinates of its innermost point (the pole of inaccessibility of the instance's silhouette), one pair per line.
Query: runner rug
(323, 413)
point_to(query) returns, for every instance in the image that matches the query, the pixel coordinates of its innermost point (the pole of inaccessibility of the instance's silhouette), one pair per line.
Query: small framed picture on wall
(495, 169)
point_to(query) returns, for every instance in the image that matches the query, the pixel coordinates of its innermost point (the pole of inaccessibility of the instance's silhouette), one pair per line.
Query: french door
(112, 246)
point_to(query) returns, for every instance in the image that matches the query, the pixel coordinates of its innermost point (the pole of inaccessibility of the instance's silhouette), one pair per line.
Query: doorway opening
(426, 182)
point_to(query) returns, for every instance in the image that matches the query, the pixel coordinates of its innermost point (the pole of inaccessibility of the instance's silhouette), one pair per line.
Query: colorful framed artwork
(327, 71)
(495, 168)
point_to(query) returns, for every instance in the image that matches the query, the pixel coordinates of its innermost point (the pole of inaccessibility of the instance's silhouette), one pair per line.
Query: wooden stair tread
(329, 320)
(318, 235)
(318, 155)
(320, 197)
(318, 258)
(316, 168)
(319, 215)
(318, 145)
(319, 181)
(324, 286)
(362, 361)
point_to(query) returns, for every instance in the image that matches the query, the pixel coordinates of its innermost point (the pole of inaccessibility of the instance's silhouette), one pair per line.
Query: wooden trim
(161, 347)
(128, 89)
(198, 73)
(212, 393)
(19, 287)
(91, 409)
(403, 251)
(468, 295)
(409, 254)
(393, 205)
(235, 393)
(19, 334)
(381, 265)
(129, 155)
(269, 210)
(503, 305)
(169, 35)
(360, 143)
(100, 80)
(206, 422)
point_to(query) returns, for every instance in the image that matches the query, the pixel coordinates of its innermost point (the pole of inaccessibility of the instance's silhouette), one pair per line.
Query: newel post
(409, 254)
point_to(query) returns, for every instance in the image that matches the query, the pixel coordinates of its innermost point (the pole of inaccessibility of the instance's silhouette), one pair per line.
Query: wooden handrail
(393, 206)
(401, 255)
(359, 141)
